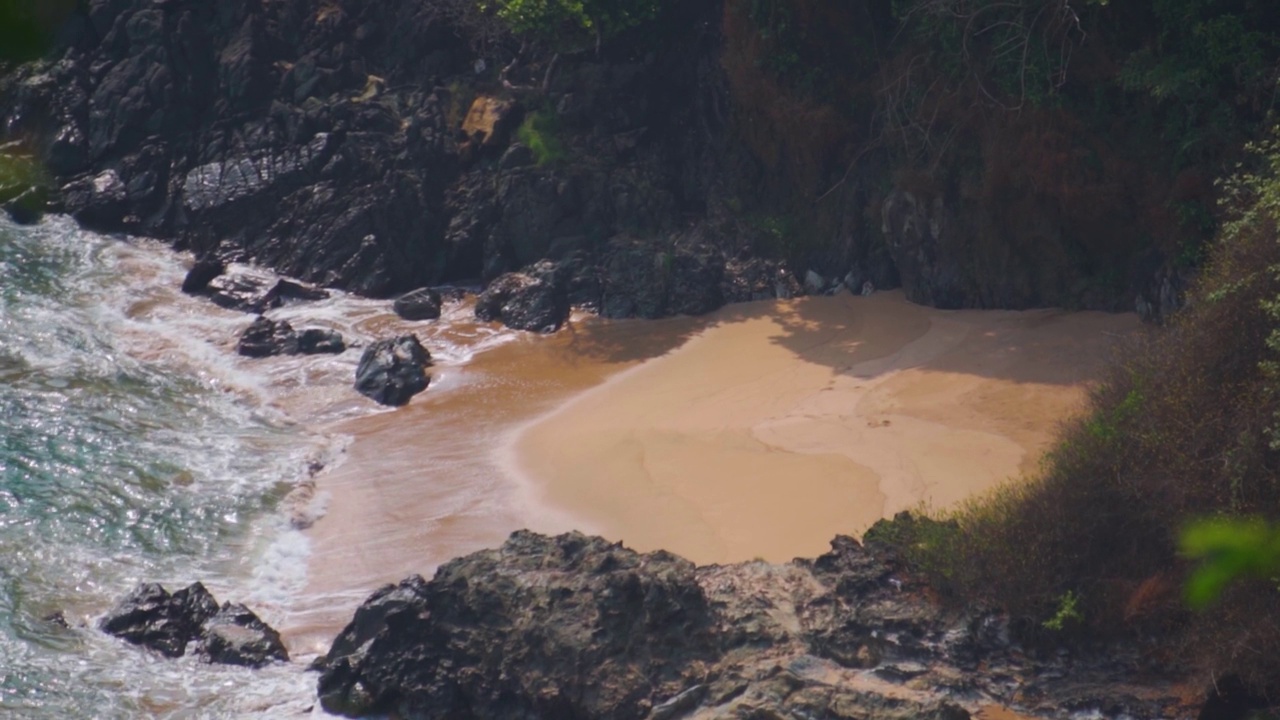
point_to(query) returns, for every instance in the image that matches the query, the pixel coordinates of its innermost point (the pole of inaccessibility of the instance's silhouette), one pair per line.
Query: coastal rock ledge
(578, 627)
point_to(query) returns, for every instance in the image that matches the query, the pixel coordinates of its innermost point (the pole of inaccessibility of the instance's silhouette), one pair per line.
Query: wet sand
(422, 484)
(786, 423)
(761, 430)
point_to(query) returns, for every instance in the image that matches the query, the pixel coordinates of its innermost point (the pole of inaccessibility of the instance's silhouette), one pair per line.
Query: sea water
(136, 447)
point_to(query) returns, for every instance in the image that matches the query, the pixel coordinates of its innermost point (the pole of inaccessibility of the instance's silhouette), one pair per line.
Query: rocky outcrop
(355, 144)
(236, 636)
(393, 371)
(640, 280)
(152, 617)
(533, 300)
(575, 626)
(420, 304)
(231, 634)
(266, 337)
(202, 272)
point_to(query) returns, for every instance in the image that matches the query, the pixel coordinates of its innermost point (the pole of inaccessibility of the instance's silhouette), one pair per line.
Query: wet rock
(236, 636)
(152, 617)
(321, 341)
(242, 292)
(57, 619)
(293, 290)
(266, 337)
(26, 207)
(532, 300)
(420, 304)
(393, 371)
(100, 201)
(202, 273)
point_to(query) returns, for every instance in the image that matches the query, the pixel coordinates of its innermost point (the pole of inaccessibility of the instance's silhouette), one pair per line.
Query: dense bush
(572, 22)
(1187, 425)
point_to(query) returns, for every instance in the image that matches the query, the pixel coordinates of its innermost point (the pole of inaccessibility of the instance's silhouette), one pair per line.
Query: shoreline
(456, 470)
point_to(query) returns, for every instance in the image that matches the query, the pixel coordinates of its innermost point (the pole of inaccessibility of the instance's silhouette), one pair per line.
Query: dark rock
(201, 273)
(236, 636)
(649, 280)
(266, 337)
(748, 279)
(584, 628)
(57, 619)
(577, 627)
(294, 290)
(242, 292)
(920, 235)
(232, 634)
(392, 371)
(531, 300)
(316, 341)
(28, 206)
(151, 617)
(420, 304)
(99, 202)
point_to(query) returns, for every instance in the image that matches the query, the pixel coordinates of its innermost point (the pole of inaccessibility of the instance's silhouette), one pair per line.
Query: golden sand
(761, 430)
(785, 423)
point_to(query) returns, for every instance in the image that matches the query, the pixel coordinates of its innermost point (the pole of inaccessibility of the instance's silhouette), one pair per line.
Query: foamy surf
(137, 446)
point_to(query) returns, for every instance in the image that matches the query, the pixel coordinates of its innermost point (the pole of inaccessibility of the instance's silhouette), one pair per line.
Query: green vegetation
(540, 132)
(570, 23)
(1229, 550)
(27, 28)
(1186, 426)
(1068, 613)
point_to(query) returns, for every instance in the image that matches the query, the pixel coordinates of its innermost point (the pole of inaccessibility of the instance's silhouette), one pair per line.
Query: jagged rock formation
(266, 337)
(231, 634)
(374, 147)
(575, 626)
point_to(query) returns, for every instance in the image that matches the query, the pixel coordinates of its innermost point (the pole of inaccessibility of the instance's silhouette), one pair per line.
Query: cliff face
(361, 144)
(384, 146)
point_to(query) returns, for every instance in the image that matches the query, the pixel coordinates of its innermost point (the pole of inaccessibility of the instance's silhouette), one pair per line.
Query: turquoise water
(130, 451)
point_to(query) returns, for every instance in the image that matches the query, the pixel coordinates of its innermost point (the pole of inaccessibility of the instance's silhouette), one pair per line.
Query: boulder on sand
(266, 337)
(531, 300)
(394, 370)
(420, 304)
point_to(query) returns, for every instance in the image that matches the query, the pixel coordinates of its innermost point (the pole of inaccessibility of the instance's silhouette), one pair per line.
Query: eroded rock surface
(394, 370)
(533, 300)
(168, 623)
(578, 627)
(420, 304)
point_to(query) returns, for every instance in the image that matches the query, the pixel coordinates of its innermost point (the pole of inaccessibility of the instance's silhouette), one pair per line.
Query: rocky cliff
(577, 627)
(381, 147)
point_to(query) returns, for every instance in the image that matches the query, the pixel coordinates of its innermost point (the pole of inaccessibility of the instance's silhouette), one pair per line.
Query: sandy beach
(785, 423)
(761, 430)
